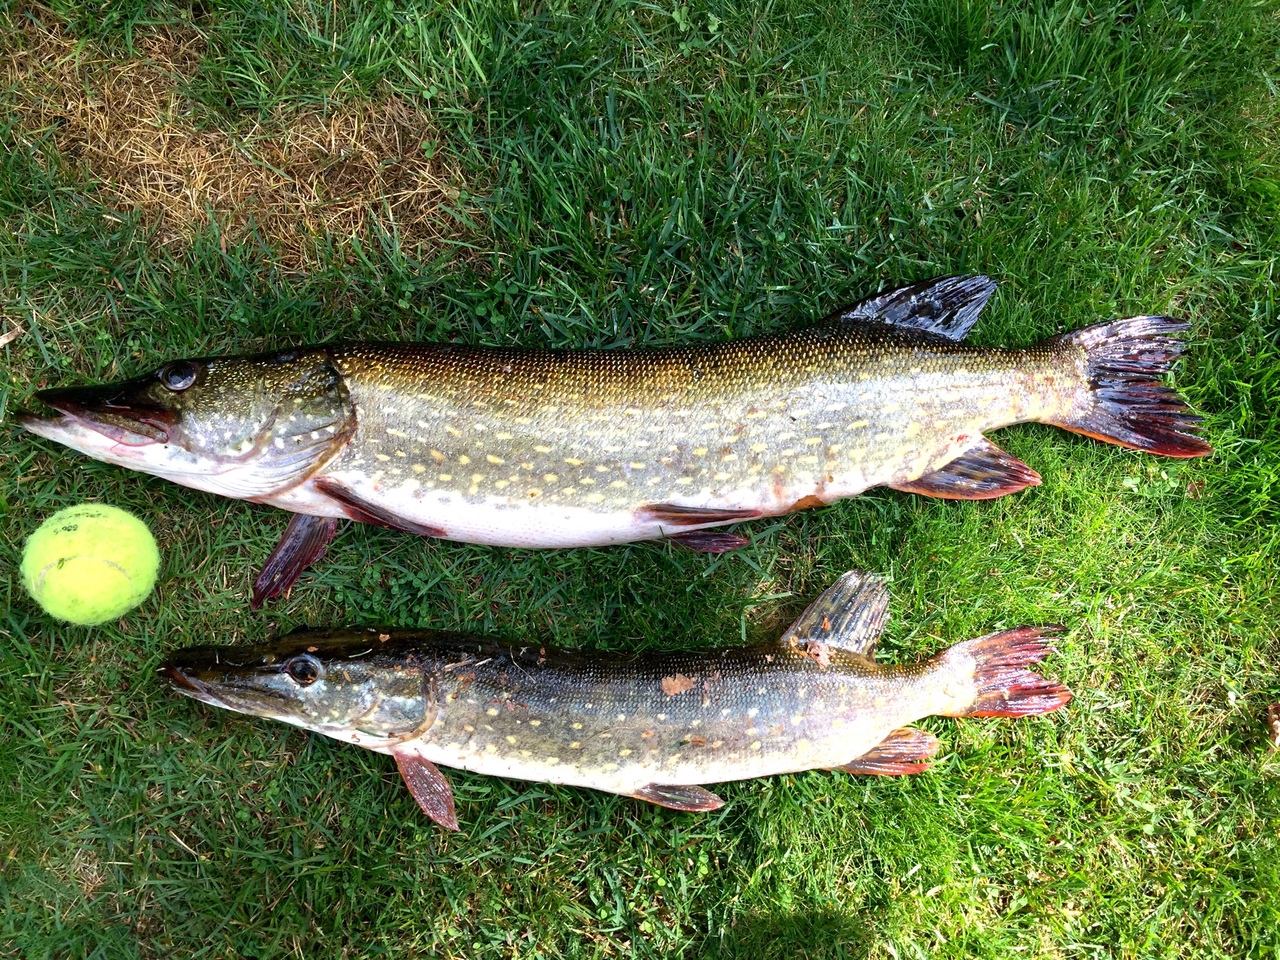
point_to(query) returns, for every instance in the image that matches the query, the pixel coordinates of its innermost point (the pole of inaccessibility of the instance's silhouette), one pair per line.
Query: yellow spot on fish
(469, 728)
(418, 468)
(759, 447)
(511, 739)
(573, 461)
(496, 461)
(635, 465)
(699, 451)
(502, 484)
(755, 745)
(550, 477)
(577, 726)
(541, 448)
(684, 480)
(553, 759)
(464, 459)
(812, 441)
(609, 766)
(589, 481)
(729, 458)
(913, 428)
(624, 753)
(594, 497)
(452, 430)
(859, 424)
(618, 484)
(576, 745)
(525, 753)
(491, 748)
(492, 711)
(503, 436)
(446, 477)
(535, 723)
(381, 456)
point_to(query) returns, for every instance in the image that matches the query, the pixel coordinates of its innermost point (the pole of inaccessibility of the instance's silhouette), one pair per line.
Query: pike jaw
(247, 427)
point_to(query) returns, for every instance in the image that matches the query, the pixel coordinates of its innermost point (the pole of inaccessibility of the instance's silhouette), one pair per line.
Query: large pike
(563, 448)
(654, 727)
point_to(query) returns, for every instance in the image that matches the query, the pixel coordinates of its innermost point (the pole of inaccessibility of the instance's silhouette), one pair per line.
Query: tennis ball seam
(38, 583)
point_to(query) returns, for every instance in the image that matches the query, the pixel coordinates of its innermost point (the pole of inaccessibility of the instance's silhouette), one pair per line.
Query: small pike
(655, 727)
(546, 448)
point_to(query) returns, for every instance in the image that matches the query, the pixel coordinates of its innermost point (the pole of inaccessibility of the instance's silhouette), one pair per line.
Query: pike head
(244, 427)
(351, 685)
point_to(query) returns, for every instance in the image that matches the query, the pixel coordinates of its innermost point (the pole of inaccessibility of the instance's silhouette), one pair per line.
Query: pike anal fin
(305, 541)
(905, 751)
(689, 797)
(362, 511)
(983, 472)
(429, 787)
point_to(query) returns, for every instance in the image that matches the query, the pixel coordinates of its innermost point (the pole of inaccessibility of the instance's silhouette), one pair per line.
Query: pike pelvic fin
(1003, 687)
(849, 615)
(304, 541)
(709, 541)
(905, 751)
(362, 511)
(947, 306)
(678, 516)
(1125, 403)
(429, 787)
(690, 798)
(983, 472)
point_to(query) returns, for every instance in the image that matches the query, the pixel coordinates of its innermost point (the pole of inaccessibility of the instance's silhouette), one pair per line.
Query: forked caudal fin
(1003, 688)
(1126, 403)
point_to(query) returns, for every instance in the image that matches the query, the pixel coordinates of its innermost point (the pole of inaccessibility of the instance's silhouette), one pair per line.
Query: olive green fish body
(654, 726)
(548, 448)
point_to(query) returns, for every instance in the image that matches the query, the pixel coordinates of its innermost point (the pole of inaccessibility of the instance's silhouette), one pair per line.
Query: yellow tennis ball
(91, 563)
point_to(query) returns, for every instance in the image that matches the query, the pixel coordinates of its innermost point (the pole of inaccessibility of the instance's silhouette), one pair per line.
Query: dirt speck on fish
(656, 727)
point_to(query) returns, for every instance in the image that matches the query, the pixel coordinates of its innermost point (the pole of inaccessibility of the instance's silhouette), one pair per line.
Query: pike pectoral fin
(850, 615)
(689, 797)
(905, 751)
(362, 511)
(981, 473)
(429, 787)
(305, 541)
(947, 306)
(709, 541)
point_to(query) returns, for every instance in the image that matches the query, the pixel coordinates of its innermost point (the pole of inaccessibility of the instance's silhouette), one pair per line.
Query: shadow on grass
(804, 934)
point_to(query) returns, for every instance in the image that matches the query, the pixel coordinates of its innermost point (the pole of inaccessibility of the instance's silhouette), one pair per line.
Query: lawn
(182, 180)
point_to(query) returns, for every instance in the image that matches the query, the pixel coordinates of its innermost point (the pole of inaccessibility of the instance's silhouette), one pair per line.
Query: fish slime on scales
(656, 727)
(561, 448)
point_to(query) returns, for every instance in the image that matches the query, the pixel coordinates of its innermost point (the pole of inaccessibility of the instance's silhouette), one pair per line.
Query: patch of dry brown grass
(302, 174)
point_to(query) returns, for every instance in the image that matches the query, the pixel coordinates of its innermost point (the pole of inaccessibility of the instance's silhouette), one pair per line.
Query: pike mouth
(130, 424)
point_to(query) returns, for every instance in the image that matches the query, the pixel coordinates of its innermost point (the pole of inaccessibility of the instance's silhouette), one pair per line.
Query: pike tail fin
(1003, 688)
(1124, 401)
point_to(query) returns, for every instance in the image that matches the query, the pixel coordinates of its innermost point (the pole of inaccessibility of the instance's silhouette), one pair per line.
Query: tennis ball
(91, 563)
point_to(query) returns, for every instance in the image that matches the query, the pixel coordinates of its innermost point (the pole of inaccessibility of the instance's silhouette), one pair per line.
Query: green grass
(649, 174)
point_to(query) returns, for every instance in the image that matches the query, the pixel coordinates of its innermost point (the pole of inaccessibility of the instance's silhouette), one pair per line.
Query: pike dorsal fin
(849, 615)
(947, 306)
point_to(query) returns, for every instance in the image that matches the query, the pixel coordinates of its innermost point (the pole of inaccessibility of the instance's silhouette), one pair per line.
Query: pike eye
(178, 375)
(304, 669)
